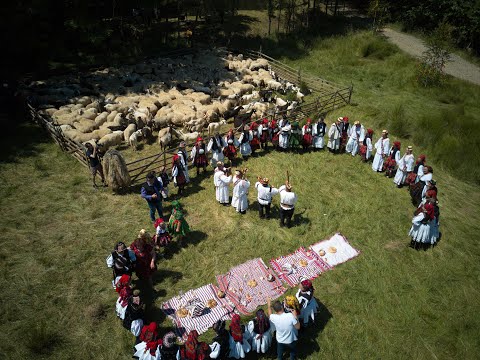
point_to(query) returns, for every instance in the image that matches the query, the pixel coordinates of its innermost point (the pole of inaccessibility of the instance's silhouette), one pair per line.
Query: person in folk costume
(216, 144)
(295, 135)
(307, 137)
(161, 238)
(264, 134)
(244, 140)
(265, 192)
(148, 348)
(357, 136)
(420, 231)
(284, 134)
(221, 342)
(239, 345)
(306, 300)
(199, 155)
(381, 146)
(429, 186)
(319, 130)
(346, 131)
(230, 151)
(169, 349)
(254, 135)
(291, 304)
(240, 192)
(134, 314)
(367, 147)
(194, 349)
(179, 174)
(183, 158)
(146, 256)
(221, 180)
(416, 190)
(177, 225)
(431, 197)
(274, 132)
(164, 181)
(122, 261)
(335, 136)
(405, 167)
(413, 177)
(260, 332)
(392, 160)
(288, 199)
(124, 290)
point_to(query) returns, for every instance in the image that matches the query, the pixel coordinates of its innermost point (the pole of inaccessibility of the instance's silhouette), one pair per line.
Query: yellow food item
(182, 313)
(321, 253)
(332, 250)
(303, 263)
(211, 303)
(252, 283)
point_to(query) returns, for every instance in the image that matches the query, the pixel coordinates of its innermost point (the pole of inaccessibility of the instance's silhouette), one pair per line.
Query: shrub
(377, 49)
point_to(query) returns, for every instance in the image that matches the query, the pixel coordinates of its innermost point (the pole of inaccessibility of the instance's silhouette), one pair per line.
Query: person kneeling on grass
(149, 347)
(194, 349)
(221, 342)
(169, 349)
(286, 326)
(177, 225)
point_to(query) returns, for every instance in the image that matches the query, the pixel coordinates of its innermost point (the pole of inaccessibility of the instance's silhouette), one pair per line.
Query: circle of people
(141, 256)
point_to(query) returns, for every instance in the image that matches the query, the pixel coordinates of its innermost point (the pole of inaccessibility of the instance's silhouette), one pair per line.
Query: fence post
(260, 50)
(335, 100)
(350, 93)
(299, 77)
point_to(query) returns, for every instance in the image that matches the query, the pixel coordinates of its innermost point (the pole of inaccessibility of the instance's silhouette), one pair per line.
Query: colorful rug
(338, 243)
(300, 264)
(246, 285)
(197, 298)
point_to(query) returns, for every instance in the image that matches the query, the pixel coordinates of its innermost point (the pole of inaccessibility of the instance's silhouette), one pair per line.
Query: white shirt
(285, 327)
(287, 198)
(265, 193)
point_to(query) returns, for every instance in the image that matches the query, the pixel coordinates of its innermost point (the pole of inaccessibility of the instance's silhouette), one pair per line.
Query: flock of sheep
(162, 98)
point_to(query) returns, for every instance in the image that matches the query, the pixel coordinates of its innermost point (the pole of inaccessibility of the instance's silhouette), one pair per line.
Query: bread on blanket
(332, 250)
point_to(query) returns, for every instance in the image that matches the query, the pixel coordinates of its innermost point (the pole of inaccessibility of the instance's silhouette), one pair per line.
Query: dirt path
(457, 66)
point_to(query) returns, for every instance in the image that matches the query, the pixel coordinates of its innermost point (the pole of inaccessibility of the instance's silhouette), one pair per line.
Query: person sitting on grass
(239, 345)
(95, 165)
(307, 302)
(194, 349)
(148, 348)
(151, 191)
(260, 332)
(146, 256)
(177, 225)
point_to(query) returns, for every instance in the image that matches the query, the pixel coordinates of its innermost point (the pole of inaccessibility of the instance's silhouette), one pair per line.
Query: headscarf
(175, 159)
(345, 119)
(149, 332)
(253, 126)
(265, 121)
(431, 194)
(152, 346)
(236, 328)
(191, 345)
(422, 159)
(397, 144)
(158, 222)
(169, 339)
(307, 284)
(122, 282)
(176, 205)
(370, 132)
(262, 321)
(203, 351)
(309, 121)
(429, 210)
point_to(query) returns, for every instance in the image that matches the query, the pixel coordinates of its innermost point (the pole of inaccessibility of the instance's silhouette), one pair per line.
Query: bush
(397, 121)
(377, 49)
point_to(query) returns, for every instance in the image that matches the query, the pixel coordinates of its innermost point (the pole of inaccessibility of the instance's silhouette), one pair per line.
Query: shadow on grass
(191, 239)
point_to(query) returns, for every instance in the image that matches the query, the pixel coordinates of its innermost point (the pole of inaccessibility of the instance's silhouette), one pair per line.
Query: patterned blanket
(343, 250)
(301, 264)
(193, 301)
(246, 285)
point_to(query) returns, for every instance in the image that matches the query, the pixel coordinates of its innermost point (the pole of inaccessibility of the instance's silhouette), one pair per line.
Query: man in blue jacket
(151, 191)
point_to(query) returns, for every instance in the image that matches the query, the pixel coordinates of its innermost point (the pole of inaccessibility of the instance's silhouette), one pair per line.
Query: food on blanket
(211, 303)
(332, 250)
(252, 283)
(322, 252)
(303, 263)
(249, 298)
(287, 269)
(262, 278)
(308, 253)
(220, 294)
(270, 277)
(182, 312)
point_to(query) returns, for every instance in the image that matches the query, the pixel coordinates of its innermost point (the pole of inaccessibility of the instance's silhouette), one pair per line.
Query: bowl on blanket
(220, 294)
(270, 278)
(322, 253)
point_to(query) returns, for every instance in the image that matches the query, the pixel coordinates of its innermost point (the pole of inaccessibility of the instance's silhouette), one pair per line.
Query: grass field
(390, 302)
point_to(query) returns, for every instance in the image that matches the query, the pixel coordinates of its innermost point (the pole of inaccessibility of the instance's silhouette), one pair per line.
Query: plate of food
(182, 312)
(332, 250)
(303, 263)
(252, 283)
(270, 278)
(211, 303)
(322, 252)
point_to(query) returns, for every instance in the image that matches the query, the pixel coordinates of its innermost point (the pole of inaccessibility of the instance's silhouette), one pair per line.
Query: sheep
(112, 139)
(147, 134)
(214, 126)
(280, 104)
(128, 132)
(300, 96)
(134, 138)
(101, 118)
(249, 97)
(111, 116)
(274, 85)
(85, 125)
(164, 137)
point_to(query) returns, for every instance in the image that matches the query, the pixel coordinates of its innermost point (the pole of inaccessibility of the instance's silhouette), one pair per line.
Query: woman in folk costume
(264, 134)
(178, 174)
(124, 291)
(295, 135)
(381, 146)
(307, 302)
(367, 146)
(431, 197)
(318, 132)
(412, 178)
(357, 136)
(169, 349)
(254, 142)
(307, 137)
(146, 256)
(162, 237)
(148, 348)
(421, 226)
(134, 314)
(221, 342)
(199, 155)
(260, 332)
(183, 158)
(216, 144)
(177, 225)
(334, 136)
(392, 160)
(417, 189)
(221, 180)
(240, 192)
(244, 141)
(405, 167)
(346, 131)
(239, 345)
(274, 131)
(194, 349)
(284, 134)
(230, 151)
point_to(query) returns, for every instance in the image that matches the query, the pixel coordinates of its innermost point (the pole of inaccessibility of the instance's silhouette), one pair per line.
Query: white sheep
(128, 132)
(134, 138)
(112, 139)
(215, 126)
(249, 97)
(164, 137)
(300, 96)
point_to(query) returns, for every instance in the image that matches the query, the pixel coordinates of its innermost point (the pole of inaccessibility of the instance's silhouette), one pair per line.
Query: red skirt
(363, 152)
(181, 180)
(201, 160)
(255, 144)
(163, 239)
(230, 151)
(411, 177)
(275, 139)
(264, 137)
(307, 139)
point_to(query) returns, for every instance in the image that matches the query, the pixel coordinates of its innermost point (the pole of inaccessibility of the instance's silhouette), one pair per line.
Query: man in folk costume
(288, 199)
(216, 145)
(264, 197)
(307, 137)
(357, 135)
(230, 150)
(244, 141)
(274, 131)
(346, 130)
(221, 180)
(240, 192)
(334, 136)
(254, 136)
(393, 158)
(263, 133)
(367, 146)
(284, 134)
(318, 132)
(183, 158)
(405, 167)
(199, 155)
(381, 146)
